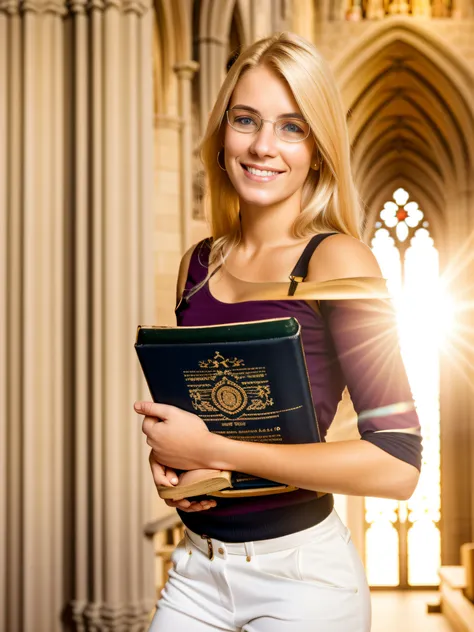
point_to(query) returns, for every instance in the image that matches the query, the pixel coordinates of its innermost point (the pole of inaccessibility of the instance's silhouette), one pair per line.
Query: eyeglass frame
(262, 121)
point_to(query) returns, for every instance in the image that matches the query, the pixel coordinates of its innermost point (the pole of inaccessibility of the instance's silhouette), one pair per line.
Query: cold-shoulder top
(350, 342)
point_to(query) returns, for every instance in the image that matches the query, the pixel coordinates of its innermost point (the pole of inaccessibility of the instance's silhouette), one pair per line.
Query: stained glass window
(403, 538)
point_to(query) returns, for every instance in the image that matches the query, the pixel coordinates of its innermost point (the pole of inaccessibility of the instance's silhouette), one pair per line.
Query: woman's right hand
(165, 476)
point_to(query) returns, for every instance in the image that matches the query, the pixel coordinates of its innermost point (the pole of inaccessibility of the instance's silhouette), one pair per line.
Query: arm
(386, 462)
(345, 467)
(164, 475)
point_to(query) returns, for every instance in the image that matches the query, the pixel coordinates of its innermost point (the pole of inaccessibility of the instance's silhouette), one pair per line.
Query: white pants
(309, 581)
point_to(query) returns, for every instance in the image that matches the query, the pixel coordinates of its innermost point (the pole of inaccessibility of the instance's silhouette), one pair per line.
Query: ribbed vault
(411, 118)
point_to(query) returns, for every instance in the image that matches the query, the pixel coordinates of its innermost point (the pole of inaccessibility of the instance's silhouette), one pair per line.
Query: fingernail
(137, 406)
(174, 480)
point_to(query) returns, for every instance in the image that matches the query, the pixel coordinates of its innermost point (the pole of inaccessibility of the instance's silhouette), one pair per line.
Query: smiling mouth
(262, 173)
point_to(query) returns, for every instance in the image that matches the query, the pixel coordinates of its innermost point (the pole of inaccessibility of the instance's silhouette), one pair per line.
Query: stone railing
(166, 534)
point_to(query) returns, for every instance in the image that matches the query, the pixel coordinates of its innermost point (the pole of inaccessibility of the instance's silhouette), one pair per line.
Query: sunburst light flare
(428, 323)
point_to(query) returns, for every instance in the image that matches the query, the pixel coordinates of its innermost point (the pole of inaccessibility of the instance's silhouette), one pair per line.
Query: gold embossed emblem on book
(225, 387)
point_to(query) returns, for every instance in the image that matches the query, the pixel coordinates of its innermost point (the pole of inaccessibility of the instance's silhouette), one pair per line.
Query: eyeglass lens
(289, 129)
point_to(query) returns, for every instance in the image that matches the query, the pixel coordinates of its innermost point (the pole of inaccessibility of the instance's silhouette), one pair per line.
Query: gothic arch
(411, 116)
(171, 45)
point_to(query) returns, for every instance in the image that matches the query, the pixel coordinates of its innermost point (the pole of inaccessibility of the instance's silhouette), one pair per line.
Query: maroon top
(344, 345)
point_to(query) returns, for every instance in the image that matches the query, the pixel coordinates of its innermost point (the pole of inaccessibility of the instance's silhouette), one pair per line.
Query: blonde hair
(329, 202)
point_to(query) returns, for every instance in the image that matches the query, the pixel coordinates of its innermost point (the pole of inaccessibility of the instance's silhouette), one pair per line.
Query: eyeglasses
(291, 130)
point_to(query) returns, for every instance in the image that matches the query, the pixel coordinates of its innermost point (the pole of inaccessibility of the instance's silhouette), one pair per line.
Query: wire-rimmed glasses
(289, 129)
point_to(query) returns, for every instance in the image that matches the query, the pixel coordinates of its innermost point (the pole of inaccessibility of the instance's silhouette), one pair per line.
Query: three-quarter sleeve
(365, 338)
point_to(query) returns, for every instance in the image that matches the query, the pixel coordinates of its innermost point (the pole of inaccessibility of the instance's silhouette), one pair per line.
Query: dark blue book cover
(246, 381)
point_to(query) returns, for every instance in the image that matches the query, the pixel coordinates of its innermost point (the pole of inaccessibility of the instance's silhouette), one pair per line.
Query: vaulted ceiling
(411, 119)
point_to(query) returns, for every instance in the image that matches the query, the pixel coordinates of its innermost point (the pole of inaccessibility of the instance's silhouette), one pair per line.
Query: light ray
(427, 323)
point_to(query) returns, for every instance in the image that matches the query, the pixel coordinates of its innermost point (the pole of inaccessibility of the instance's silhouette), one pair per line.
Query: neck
(269, 226)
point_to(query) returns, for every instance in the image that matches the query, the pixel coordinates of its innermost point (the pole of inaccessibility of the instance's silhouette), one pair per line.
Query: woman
(277, 156)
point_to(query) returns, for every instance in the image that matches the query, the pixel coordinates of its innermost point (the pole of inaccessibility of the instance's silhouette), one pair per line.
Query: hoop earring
(221, 151)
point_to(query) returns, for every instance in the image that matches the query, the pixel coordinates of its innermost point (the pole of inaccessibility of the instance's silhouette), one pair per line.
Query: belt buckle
(210, 548)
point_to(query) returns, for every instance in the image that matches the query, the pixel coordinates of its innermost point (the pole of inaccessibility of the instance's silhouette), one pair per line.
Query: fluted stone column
(32, 322)
(76, 278)
(185, 72)
(304, 18)
(3, 328)
(212, 58)
(168, 242)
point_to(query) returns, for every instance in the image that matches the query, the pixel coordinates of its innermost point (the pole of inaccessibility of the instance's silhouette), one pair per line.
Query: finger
(171, 476)
(170, 503)
(178, 504)
(188, 506)
(193, 508)
(201, 506)
(158, 471)
(148, 424)
(154, 409)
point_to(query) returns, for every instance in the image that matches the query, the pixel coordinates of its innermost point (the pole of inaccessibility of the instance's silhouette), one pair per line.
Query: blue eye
(244, 120)
(292, 128)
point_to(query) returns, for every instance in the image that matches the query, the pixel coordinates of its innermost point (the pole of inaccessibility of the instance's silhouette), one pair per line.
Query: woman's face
(264, 91)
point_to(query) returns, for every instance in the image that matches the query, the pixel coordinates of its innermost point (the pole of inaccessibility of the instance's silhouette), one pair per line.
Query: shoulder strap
(300, 270)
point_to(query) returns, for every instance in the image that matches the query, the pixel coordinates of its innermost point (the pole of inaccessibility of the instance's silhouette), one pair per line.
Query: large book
(246, 381)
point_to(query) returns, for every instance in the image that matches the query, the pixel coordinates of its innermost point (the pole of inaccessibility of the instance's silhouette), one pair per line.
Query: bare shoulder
(183, 271)
(341, 256)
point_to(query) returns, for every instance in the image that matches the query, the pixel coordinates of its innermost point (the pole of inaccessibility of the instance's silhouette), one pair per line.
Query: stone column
(212, 60)
(303, 19)
(185, 72)
(456, 398)
(168, 241)
(76, 278)
(10, 324)
(3, 310)
(32, 322)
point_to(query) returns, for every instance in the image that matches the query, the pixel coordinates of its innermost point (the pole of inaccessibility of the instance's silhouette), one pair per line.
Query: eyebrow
(296, 115)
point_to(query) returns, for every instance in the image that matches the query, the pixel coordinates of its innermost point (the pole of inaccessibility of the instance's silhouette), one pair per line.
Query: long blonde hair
(329, 202)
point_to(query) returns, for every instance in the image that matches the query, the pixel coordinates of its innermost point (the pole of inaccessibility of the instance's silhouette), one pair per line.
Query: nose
(265, 141)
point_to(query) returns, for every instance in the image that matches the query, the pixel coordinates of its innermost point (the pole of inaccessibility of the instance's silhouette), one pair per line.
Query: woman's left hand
(178, 439)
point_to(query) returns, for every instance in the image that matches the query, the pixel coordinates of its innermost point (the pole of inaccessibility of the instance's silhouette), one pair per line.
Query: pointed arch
(411, 115)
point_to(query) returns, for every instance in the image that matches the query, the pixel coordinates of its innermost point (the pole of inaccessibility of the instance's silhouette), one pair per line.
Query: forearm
(348, 467)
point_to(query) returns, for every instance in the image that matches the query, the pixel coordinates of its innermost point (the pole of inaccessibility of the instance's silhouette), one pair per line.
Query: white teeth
(259, 172)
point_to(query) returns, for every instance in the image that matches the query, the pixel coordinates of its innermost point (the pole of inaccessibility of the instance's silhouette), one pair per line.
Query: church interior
(102, 107)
